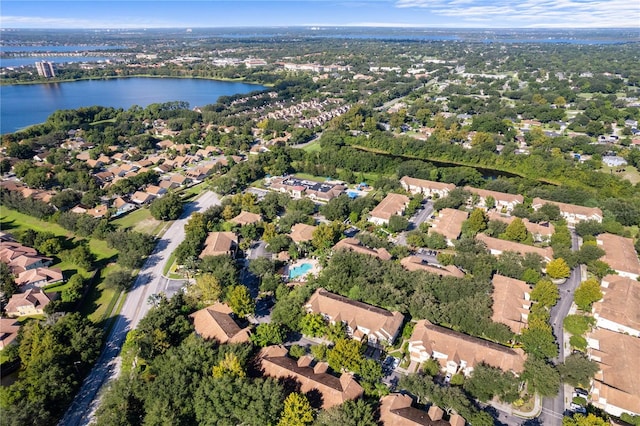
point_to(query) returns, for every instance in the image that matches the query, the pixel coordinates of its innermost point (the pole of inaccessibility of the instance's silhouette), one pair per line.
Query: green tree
(118, 280)
(168, 207)
(558, 268)
(587, 293)
(206, 289)
(313, 325)
(546, 293)
(578, 324)
(326, 235)
(577, 370)
(517, 231)
(240, 301)
(297, 411)
(268, 334)
(350, 413)
(228, 367)
(537, 339)
(541, 377)
(476, 223)
(398, 223)
(346, 354)
(582, 420)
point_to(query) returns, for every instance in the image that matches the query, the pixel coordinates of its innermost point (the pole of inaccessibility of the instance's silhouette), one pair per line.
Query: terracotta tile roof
(33, 300)
(618, 356)
(215, 322)
(302, 232)
(408, 182)
(392, 204)
(155, 190)
(498, 246)
(39, 276)
(621, 301)
(371, 320)
(334, 390)
(353, 244)
(141, 197)
(449, 223)
(8, 331)
(246, 218)
(458, 346)
(498, 196)
(620, 253)
(218, 243)
(510, 305)
(543, 229)
(570, 209)
(396, 410)
(415, 263)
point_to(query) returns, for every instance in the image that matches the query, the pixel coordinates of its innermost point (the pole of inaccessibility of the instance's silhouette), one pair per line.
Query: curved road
(149, 281)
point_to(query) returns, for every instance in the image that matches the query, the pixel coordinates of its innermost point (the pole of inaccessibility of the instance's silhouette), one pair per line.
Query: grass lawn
(625, 172)
(193, 191)
(307, 176)
(13, 220)
(313, 146)
(100, 300)
(141, 221)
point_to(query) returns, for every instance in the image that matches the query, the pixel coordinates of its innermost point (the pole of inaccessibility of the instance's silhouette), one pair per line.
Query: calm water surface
(25, 105)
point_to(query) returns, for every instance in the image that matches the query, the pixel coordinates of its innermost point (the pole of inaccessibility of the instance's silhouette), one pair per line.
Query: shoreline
(113, 77)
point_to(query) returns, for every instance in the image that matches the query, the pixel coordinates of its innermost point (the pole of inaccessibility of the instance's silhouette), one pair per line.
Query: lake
(25, 105)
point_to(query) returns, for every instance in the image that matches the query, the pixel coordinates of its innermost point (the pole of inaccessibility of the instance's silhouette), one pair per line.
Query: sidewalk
(508, 408)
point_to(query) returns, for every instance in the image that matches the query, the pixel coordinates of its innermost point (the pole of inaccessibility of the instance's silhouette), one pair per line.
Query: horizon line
(312, 26)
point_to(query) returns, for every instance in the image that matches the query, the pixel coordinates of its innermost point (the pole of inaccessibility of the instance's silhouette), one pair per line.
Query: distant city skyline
(321, 13)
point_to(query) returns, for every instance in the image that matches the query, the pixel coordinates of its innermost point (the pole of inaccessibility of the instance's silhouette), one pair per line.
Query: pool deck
(315, 269)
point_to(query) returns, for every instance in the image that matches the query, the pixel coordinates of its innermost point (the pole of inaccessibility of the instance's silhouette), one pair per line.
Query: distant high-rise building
(45, 69)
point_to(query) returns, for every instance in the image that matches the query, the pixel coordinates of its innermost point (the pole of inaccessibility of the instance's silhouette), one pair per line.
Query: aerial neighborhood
(450, 240)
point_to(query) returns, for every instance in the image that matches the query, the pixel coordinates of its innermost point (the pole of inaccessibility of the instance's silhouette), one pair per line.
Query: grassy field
(307, 176)
(625, 172)
(141, 221)
(100, 300)
(13, 220)
(313, 146)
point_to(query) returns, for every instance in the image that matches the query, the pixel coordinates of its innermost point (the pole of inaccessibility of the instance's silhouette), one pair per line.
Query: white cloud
(535, 13)
(58, 23)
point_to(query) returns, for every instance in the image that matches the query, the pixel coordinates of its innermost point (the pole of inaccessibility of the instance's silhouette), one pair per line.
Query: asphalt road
(148, 282)
(420, 216)
(553, 409)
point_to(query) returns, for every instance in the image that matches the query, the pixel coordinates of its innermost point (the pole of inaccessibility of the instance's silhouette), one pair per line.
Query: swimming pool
(300, 270)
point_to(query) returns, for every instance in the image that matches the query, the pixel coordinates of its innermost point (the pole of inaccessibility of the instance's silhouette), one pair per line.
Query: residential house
(31, 302)
(122, 207)
(216, 322)
(428, 188)
(396, 410)
(616, 387)
(497, 246)
(620, 254)
(415, 263)
(21, 258)
(301, 232)
(298, 188)
(167, 185)
(165, 144)
(220, 243)
(511, 302)
(39, 277)
(378, 325)
(98, 211)
(540, 231)
(180, 179)
(618, 310)
(458, 352)
(246, 218)
(391, 205)
(503, 201)
(141, 197)
(163, 168)
(313, 378)
(353, 244)
(155, 190)
(571, 212)
(9, 329)
(449, 224)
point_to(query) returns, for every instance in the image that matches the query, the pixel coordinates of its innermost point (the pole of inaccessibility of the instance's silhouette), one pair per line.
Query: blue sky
(392, 13)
